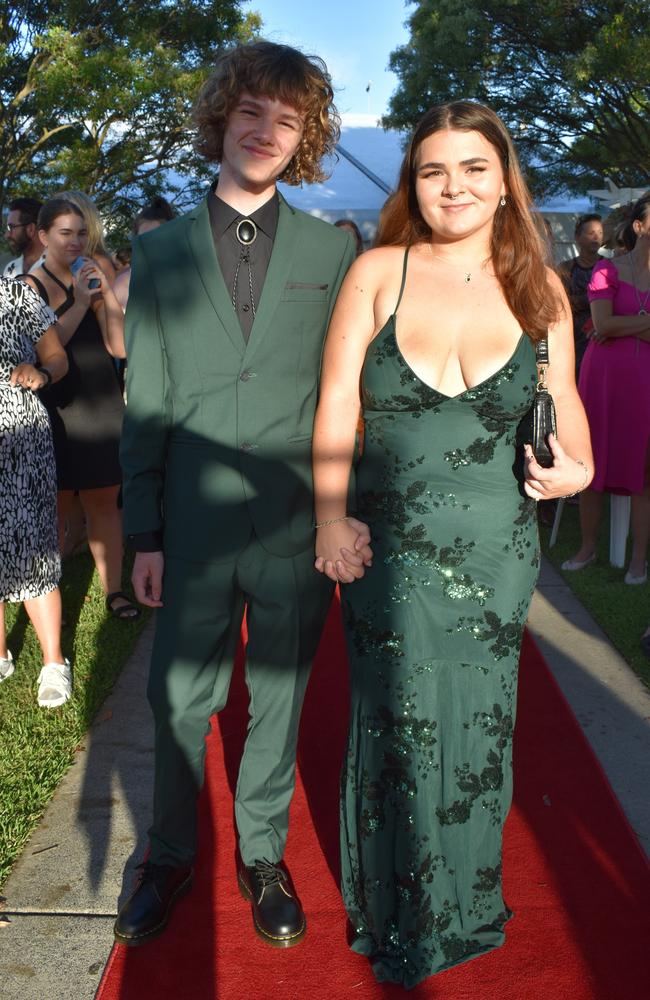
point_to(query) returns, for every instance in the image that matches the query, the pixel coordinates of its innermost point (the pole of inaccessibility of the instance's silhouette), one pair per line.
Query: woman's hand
(28, 377)
(82, 293)
(343, 550)
(603, 337)
(90, 270)
(565, 477)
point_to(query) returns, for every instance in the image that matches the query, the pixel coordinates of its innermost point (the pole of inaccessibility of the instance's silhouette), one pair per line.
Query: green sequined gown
(434, 630)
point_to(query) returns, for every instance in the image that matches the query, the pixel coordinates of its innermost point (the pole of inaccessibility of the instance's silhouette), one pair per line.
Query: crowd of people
(610, 299)
(235, 456)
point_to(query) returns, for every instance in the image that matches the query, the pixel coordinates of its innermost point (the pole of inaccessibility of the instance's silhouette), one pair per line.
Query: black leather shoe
(277, 914)
(145, 914)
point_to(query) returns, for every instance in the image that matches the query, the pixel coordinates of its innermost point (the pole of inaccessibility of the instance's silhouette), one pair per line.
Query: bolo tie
(246, 233)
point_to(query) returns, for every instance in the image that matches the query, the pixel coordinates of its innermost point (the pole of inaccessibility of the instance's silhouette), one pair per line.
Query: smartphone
(77, 265)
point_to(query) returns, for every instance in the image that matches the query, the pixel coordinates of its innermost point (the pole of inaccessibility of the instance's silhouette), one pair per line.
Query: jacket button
(244, 377)
(247, 446)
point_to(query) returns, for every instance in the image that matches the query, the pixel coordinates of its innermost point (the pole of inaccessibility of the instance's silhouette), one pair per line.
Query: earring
(503, 201)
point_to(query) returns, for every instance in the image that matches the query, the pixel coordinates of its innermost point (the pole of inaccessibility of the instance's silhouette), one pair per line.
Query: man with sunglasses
(21, 233)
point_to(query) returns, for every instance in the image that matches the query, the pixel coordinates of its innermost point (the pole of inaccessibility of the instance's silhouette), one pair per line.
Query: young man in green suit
(227, 312)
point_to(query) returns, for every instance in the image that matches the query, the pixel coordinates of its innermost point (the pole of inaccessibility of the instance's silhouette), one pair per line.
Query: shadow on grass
(623, 612)
(39, 745)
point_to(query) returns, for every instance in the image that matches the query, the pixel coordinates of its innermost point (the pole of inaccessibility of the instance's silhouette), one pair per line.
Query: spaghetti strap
(68, 302)
(42, 290)
(401, 287)
(57, 281)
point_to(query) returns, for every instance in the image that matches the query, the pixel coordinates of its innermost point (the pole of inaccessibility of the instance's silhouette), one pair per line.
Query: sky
(354, 37)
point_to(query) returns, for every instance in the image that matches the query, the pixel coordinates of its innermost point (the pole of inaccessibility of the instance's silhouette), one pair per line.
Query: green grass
(623, 612)
(38, 745)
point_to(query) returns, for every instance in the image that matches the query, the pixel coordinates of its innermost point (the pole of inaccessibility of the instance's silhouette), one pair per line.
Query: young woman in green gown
(434, 331)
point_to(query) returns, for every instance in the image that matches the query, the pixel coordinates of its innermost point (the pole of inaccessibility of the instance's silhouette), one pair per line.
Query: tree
(571, 79)
(97, 96)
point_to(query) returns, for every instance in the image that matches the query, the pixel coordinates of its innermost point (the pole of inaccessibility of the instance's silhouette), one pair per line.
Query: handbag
(543, 409)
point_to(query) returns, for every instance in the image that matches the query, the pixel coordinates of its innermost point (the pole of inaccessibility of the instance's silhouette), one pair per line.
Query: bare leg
(64, 509)
(75, 527)
(104, 522)
(640, 523)
(3, 634)
(591, 509)
(45, 616)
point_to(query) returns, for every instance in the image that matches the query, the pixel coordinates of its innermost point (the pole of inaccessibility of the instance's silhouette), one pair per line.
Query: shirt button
(245, 307)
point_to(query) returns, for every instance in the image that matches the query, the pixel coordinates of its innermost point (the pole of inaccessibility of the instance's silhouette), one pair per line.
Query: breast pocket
(300, 291)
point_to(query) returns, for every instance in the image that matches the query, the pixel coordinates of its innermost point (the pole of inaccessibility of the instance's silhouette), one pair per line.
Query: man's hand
(362, 544)
(361, 557)
(343, 550)
(147, 578)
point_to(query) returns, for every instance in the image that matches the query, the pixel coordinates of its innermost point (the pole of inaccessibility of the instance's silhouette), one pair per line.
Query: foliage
(96, 96)
(571, 79)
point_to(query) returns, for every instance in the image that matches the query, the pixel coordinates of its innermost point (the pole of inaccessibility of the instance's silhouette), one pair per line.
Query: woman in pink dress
(615, 389)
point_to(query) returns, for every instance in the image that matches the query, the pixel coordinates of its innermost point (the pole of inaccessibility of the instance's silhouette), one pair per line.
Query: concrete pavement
(61, 899)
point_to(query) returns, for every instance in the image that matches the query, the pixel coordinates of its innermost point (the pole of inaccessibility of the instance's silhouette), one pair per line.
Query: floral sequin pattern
(434, 630)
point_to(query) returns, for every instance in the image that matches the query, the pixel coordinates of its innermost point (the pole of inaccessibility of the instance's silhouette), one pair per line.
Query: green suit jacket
(217, 432)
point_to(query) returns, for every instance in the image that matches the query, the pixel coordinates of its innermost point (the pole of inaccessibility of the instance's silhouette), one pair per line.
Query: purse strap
(542, 359)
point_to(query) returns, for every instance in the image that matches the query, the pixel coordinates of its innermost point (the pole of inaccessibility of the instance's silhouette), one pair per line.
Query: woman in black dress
(86, 408)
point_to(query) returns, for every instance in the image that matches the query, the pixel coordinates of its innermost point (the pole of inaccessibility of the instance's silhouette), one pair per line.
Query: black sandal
(125, 612)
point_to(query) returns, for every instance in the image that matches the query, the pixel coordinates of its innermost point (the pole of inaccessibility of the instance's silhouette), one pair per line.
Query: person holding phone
(86, 407)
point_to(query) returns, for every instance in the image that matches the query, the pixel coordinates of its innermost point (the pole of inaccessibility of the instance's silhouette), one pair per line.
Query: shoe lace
(148, 871)
(269, 873)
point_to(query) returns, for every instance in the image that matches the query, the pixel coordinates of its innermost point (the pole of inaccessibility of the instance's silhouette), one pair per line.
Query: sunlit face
(262, 134)
(19, 234)
(458, 183)
(590, 238)
(66, 238)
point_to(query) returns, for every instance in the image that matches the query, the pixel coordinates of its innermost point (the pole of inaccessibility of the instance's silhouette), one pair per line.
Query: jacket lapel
(280, 265)
(206, 263)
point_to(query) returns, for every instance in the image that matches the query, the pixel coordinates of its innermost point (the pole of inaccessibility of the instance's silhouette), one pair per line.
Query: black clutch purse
(540, 420)
(544, 422)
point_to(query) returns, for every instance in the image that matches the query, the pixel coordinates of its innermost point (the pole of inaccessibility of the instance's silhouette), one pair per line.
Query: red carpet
(574, 875)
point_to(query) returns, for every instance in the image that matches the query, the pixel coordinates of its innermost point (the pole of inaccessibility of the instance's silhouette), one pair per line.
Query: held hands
(565, 477)
(343, 550)
(147, 577)
(28, 377)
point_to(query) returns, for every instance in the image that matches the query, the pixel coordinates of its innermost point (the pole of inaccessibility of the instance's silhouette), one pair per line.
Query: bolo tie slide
(246, 233)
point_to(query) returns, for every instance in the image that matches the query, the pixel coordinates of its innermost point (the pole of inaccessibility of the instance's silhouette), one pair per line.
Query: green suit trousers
(197, 632)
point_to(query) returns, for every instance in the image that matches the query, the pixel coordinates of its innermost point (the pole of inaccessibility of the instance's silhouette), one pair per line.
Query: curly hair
(282, 73)
(519, 247)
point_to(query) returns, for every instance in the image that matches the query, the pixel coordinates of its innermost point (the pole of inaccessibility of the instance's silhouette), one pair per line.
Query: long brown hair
(519, 250)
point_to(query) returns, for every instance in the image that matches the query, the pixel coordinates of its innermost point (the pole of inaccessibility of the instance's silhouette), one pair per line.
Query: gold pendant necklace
(468, 274)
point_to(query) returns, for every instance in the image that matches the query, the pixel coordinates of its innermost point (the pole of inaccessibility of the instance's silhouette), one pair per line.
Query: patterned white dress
(29, 554)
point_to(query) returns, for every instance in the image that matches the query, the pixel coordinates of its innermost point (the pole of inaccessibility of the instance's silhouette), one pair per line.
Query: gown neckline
(472, 388)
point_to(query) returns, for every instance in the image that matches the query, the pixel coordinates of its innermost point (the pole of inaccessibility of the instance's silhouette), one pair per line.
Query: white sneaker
(54, 684)
(635, 581)
(572, 565)
(6, 666)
